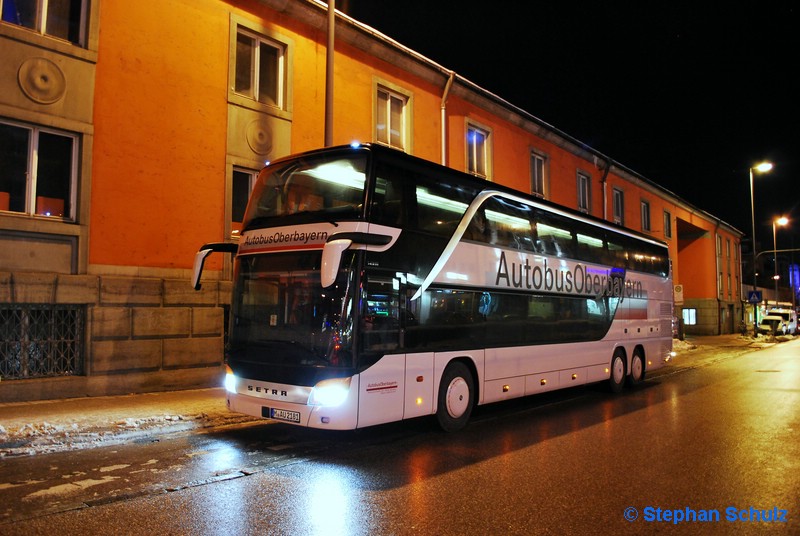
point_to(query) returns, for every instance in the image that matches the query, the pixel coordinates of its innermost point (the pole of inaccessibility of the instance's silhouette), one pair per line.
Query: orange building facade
(130, 132)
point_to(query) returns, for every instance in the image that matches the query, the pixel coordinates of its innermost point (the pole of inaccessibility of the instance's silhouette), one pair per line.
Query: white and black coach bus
(371, 286)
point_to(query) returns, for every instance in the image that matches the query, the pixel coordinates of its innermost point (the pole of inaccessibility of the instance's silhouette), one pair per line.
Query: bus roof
(481, 184)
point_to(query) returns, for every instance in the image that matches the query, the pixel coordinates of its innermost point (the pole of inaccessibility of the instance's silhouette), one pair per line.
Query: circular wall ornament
(42, 80)
(259, 137)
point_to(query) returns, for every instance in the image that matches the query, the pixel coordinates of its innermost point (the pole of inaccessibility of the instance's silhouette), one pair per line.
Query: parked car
(779, 322)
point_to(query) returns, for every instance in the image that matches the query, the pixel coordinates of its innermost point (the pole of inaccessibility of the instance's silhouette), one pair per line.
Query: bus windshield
(281, 315)
(322, 187)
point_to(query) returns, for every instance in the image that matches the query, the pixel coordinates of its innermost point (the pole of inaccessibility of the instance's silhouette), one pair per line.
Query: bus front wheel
(456, 394)
(617, 379)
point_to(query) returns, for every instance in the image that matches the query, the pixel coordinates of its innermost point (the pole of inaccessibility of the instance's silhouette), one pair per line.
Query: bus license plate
(284, 415)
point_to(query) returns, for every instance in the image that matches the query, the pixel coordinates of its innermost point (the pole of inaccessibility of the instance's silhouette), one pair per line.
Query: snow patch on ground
(46, 437)
(680, 346)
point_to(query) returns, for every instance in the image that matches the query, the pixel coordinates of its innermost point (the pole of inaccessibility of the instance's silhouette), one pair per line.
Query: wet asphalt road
(721, 437)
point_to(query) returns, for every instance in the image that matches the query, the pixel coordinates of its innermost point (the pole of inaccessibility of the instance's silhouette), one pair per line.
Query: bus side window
(387, 202)
(478, 229)
(616, 255)
(590, 246)
(509, 224)
(555, 237)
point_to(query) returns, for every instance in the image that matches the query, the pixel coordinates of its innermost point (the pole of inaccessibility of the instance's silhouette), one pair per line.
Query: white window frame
(618, 205)
(539, 174)
(479, 150)
(385, 95)
(40, 25)
(32, 170)
(584, 186)
(645, 211)
(250, 97)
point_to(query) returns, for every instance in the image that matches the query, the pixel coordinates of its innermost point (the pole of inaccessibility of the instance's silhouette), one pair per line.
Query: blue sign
(754, 296)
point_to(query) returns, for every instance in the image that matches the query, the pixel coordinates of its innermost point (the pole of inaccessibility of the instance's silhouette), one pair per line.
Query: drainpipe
(716, 275)
(604, 182)
(329, 75)
(444, 115)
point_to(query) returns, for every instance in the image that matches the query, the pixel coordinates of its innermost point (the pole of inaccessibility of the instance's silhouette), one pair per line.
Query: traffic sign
(677, 294)
(754, 296)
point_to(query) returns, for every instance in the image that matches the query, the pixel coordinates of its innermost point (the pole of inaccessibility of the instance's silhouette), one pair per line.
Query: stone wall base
(110, 385)
(141, 332)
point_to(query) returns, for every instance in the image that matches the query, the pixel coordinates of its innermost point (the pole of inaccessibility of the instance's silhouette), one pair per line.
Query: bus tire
(616, 380)
(637, 369)
(456, 397)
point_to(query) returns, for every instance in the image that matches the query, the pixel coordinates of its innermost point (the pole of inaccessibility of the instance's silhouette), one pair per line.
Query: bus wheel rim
(457, 397)
(618, 370)
(636, 367)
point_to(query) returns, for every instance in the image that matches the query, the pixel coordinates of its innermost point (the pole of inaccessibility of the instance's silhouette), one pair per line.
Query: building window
(40, 341)
(478, 151)
(242, 185)
(618, 203)
(391, 118)
(63, 19)
(667, 224)
(260, 68)
(39, 171)
(690, 317)
(584, 192)
(645, 216)
(538, 174)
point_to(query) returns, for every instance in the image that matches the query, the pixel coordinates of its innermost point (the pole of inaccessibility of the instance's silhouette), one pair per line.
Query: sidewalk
(28, 428)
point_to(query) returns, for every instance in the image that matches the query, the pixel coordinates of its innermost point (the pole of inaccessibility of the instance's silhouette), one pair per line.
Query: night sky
(689, 96)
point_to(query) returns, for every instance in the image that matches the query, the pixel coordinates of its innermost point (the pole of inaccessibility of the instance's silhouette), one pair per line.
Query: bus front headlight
(230, 380)
(330, 393)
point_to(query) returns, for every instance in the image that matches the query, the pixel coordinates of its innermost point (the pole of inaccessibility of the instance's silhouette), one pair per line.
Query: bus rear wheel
(637, 369)
(617, 379)
(456, 397)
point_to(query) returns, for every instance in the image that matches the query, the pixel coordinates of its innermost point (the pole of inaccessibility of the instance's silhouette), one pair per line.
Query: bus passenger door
(382, 385)
(420, 384)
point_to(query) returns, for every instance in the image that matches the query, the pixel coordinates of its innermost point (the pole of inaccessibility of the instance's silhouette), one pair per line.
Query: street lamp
(783, 220)
(761, 168)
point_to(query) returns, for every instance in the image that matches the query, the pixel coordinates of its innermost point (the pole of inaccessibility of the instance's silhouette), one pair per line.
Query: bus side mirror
(335, 246)
(331, 257)
(205, 251)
